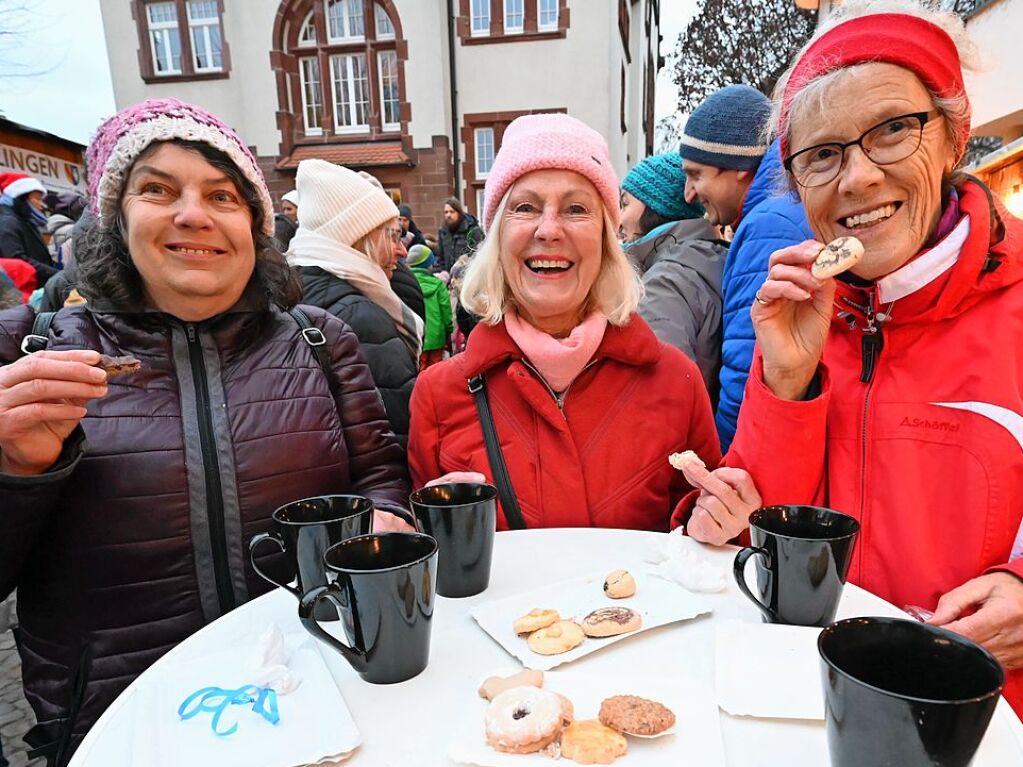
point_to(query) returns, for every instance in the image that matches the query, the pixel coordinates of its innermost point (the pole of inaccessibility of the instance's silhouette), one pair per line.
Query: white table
(461, 653)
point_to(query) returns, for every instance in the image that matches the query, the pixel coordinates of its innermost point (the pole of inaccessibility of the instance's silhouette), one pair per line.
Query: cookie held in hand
(680, 460)
(836, 257)
(118, 366)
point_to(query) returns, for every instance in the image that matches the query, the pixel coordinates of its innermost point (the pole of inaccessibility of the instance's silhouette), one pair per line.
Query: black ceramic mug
(802, 559)
(305, 529)
(462, 516)
(899, 692)
(383, 587)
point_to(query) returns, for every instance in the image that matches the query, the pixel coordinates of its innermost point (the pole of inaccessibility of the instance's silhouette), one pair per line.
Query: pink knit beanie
(122, 138)
(540, 142)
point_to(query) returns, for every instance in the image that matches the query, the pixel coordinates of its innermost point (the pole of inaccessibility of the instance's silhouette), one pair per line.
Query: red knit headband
(895, 38)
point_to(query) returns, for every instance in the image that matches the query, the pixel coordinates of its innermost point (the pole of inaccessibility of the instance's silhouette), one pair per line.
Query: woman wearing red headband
(894, 392)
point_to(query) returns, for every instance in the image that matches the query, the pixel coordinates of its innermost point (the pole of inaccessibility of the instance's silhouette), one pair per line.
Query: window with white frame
(480, 17)
(344, 20)
(390, 99)
(484, 141)
(547, 20)
(312, 100)
(204, 29)
(164, 38)
(480, 198)
(351, 92)
(514, 16)
(307, 33)
(385, 29)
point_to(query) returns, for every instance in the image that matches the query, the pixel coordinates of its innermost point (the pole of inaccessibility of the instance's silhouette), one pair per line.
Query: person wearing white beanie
(346, 248)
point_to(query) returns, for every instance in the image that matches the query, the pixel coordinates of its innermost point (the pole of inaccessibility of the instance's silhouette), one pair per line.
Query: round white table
(462, 653)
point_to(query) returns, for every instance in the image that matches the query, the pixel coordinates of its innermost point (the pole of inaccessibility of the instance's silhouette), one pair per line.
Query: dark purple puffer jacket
(137, 536)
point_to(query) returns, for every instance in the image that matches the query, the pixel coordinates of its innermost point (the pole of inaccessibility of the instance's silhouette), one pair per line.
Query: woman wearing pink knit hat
(586, 403)
(123, 545)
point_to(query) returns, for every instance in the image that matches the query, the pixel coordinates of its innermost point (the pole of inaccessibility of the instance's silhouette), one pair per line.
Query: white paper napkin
(315, 724)
(767, 670)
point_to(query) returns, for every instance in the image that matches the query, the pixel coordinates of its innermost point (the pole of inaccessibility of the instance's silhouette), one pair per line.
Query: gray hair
(811, 99)
(616, 293)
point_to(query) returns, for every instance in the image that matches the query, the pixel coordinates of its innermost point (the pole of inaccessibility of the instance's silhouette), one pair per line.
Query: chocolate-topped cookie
(611, 621)
(118, 366)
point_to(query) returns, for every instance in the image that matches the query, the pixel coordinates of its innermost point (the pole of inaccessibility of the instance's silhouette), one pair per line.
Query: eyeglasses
(886, 143)
(394, 235)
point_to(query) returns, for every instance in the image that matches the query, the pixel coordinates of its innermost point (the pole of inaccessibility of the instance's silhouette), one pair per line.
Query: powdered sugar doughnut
(523, 720)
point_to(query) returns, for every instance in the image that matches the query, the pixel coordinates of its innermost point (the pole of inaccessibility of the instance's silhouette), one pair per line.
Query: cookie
(679, 460)
(836, 257)
(619, 584)
(567, 711)
(557, 638)
(118, 366)
(535, 620)
(611, 621)
(523, 720)
(495, 685)
(589, 742)
(635, 716)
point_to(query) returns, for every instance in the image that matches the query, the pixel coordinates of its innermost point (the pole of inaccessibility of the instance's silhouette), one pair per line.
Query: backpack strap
(505, 491)
(39, 338)
(313, 336)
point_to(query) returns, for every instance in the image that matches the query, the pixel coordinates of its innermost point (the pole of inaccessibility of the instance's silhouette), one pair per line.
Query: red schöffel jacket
(924, 445)
(599, 460)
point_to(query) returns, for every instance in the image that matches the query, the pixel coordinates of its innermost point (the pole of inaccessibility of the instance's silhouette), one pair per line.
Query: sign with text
(57, 175)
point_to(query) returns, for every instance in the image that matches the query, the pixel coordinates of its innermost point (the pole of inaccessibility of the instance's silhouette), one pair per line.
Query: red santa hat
(16, 184)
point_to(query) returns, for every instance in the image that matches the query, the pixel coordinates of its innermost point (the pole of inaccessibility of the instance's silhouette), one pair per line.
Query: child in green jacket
(439, 323)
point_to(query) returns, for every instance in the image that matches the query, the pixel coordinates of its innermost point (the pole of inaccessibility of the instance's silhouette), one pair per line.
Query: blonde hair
(616, 292)
(373, 243)
(810, 100)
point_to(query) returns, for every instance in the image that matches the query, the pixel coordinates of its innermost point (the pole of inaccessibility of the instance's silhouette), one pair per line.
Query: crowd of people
(596, 325)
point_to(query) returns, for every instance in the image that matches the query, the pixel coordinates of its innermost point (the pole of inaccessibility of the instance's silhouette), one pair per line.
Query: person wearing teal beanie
(439, 322)
(680, 257)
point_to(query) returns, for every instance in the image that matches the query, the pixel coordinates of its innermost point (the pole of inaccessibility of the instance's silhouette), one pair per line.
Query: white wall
(424, 27)
(997, 94)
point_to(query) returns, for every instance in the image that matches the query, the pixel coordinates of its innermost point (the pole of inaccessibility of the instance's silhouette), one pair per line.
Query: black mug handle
(258, 539)
(306, 607)
(739, 570)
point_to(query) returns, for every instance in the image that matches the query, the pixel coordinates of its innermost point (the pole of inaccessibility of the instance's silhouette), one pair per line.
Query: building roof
(362, 155)
(45, 135)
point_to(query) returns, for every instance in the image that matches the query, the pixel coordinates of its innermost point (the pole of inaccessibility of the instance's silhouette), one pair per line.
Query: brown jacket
(137, 536)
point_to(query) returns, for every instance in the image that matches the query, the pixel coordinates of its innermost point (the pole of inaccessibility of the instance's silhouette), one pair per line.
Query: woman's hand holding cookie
(791, 317)
(42, 400)
(727, 498)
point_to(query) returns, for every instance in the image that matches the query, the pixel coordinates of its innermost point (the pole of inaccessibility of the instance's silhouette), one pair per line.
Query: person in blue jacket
(772, 218)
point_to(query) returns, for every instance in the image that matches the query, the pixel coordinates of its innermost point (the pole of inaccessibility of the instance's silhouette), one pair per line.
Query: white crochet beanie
(338, 203)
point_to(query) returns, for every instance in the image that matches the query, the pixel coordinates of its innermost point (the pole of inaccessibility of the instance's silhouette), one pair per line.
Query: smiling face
(551, 244)
(719, 190)
(891, 209)
(632, 211)
(189, 233)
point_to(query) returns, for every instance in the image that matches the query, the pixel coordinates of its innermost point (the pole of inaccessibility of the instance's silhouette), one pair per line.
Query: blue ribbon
(216, 699)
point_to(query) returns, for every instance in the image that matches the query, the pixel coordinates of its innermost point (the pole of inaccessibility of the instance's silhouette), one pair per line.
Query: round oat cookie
(611, 621)
(636, 716)
(557, 638)
(587, 741)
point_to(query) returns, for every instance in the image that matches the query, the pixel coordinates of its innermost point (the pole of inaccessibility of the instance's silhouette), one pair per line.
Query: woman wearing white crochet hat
(346, 248)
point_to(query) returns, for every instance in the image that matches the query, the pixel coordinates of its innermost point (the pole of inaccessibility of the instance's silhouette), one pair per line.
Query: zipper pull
(871, 344)
(190, 330)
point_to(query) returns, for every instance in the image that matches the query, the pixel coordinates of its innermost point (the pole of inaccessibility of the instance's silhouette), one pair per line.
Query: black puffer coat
(21, 239)
(138, 537)
(393, 367)
(467, 237)
(407, 287)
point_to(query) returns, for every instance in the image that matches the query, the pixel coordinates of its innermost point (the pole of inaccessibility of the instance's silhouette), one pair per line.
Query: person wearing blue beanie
(721, 148)
(680, 259)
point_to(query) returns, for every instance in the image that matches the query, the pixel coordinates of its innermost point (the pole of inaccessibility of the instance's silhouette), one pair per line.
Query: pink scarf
(559, 360)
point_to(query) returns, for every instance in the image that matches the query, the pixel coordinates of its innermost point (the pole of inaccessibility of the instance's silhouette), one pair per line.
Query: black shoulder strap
(39, 338)
(505, 491)
(313, 336)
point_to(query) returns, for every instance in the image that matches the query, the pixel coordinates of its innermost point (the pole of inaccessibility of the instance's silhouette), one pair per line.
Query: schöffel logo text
(924, 423)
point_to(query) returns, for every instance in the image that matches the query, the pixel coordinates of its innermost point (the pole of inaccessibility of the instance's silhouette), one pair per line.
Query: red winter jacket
(918, 430)
(599, 460)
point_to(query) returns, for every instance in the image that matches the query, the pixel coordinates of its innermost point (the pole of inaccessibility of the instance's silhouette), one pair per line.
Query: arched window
(344, 75)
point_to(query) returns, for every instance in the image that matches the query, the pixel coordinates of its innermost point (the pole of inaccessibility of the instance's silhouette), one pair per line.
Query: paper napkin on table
(677, 558)
(768, 670)
(315, 724)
